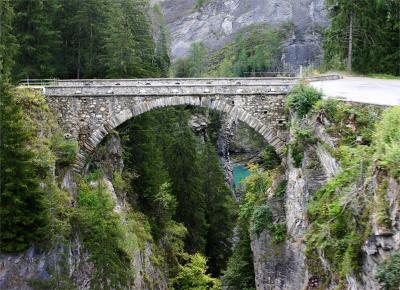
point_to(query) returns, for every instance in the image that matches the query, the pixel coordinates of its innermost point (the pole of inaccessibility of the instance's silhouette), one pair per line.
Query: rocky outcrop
(67, 264)
(282, 265)
(216, 23)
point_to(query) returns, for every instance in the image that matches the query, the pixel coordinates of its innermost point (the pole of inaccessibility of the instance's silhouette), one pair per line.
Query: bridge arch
(267, 132)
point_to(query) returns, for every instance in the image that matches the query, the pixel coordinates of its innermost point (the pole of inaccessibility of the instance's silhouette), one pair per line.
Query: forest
(176, 198)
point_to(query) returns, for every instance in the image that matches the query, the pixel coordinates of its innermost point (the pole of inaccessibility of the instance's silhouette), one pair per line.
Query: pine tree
(220, 210)
(21, 209)
(120, 50)
(143, 156)
(139, 23)
(162, 53)
(184, 171)
(38, 38)
(197, 60)
(83, 25)
(365, 35)
(8, 45)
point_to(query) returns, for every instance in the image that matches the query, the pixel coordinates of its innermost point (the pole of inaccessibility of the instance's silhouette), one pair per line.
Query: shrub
(271, 158)
(65, 150)
(387, 141)
(281, 189)
(296, 152)
(389, 272)
(302, 99)
(103, 236)
(347, 121)
(193, 275)
(261, 219)
(338, 220)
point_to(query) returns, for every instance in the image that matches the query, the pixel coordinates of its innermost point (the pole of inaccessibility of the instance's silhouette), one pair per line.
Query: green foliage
(38, 38)
(389, 272)
(281, 188)
(258, 182)
(255, 215)
(302, 99)
(200, 4)
(261, 218)
(347, 121)
(58, 207)
(21, 197)
(271, 159)
(220, 211)
(173, 243)
(255, 49)
(193, 276)
(302, 138)
(65, 150)
(382, 206)
(8, 42)
(387, 141)
(180, 185)
(181, 68)
(239, 273)
(375, 37)
(119, 183)
(296, 153)
(89, 39)
(338, 220)
(103, 236)
(195, 64)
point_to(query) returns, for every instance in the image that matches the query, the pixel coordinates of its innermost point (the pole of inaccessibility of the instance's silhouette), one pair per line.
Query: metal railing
(270, 74)
(38, 82)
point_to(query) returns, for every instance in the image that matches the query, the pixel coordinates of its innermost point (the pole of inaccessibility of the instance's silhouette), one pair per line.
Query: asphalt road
(362, 90)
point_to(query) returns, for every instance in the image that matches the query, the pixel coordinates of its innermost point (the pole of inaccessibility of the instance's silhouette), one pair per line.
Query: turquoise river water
(240, 172)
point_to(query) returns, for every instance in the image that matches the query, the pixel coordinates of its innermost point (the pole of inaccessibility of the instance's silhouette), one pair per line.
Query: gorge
(159, 144)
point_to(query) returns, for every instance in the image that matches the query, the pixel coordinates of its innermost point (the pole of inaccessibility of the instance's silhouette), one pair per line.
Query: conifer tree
(184, 171)
(220, 213)
(197, 60)
(120, 50)
(365, 35)
(83, 25)
(39, 40)
(21, 209)
(8, 45)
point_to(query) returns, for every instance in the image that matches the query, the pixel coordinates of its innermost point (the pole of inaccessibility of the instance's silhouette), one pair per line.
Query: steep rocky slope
(216, 22)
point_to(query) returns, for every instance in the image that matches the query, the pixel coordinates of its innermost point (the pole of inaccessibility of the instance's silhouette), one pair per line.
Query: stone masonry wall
(88, 113)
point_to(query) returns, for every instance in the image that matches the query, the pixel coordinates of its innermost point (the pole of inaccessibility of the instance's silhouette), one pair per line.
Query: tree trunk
(350, 47)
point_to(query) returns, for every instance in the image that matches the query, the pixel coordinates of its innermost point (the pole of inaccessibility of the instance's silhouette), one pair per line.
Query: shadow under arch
(87, 148)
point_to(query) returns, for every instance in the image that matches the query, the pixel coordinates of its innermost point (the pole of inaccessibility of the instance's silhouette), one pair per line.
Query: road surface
(362, 89)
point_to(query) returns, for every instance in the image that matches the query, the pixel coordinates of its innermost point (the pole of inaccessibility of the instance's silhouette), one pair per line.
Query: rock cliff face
(67, 265)
(217, 21)
(284, 265)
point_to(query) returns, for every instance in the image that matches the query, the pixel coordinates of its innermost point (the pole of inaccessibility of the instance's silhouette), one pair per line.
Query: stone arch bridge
(89, 109)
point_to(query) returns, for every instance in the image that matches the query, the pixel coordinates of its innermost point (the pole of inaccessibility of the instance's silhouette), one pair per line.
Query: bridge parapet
(177, 81)
(168, 90)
